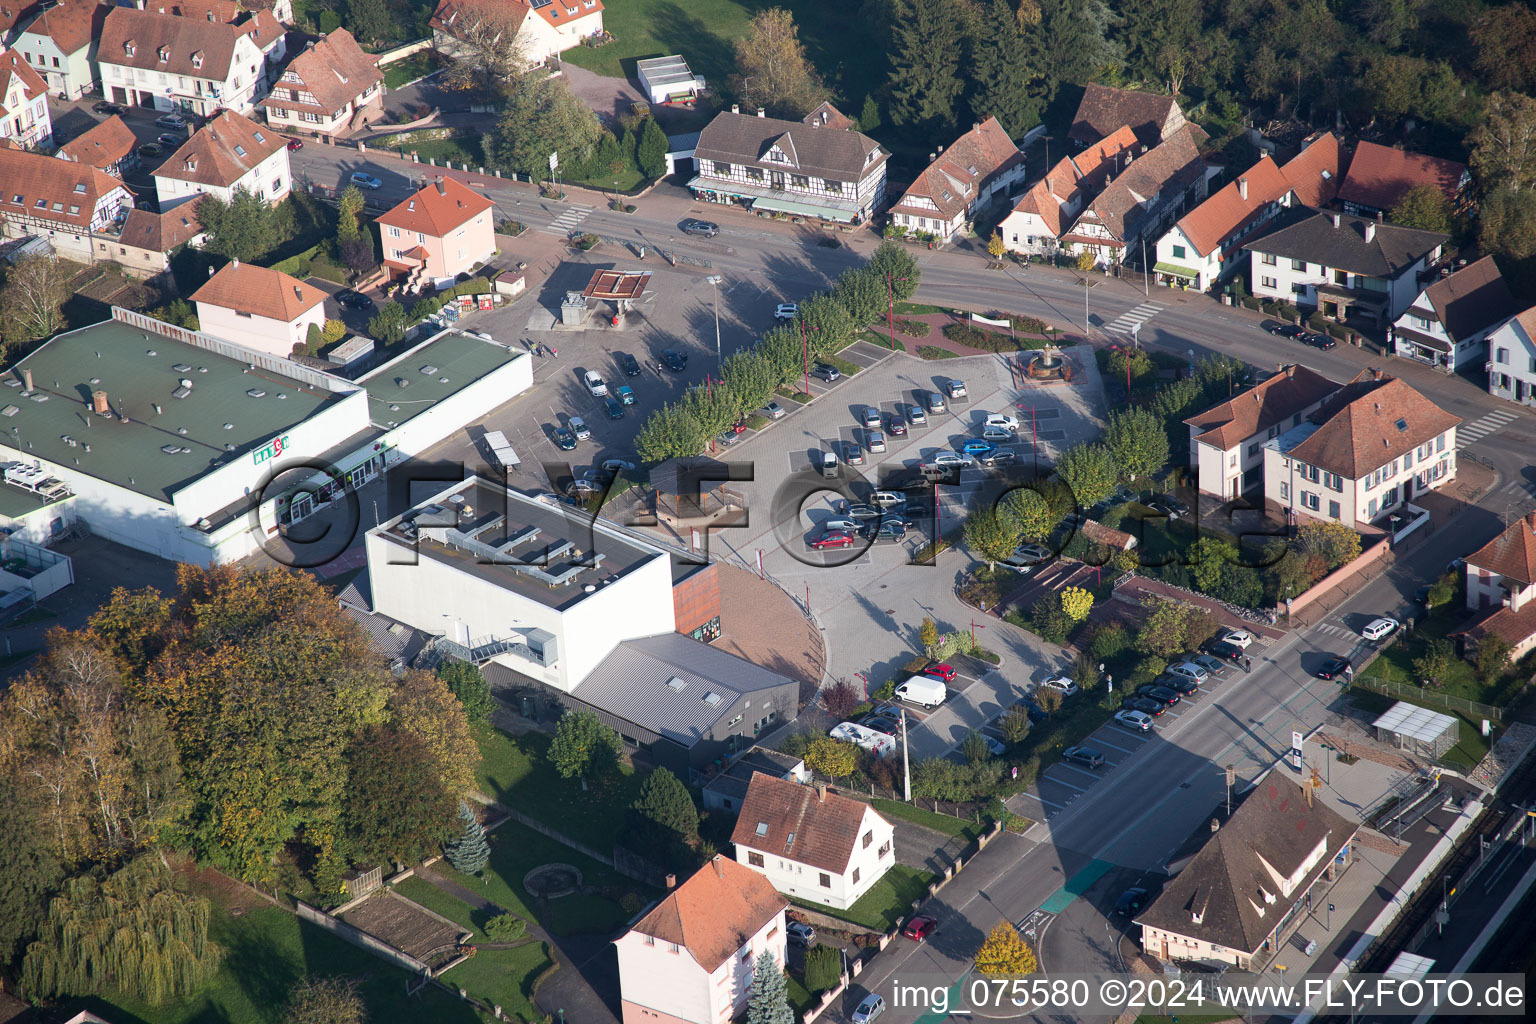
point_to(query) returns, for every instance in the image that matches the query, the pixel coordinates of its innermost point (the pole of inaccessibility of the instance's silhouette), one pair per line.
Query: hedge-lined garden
(751, 377)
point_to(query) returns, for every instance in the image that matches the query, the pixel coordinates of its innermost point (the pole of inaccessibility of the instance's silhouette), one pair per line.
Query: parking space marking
(1075, 768)
(1111, 746)
(1064, 782)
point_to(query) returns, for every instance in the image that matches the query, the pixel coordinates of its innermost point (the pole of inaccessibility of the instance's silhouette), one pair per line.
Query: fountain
(1049, 365)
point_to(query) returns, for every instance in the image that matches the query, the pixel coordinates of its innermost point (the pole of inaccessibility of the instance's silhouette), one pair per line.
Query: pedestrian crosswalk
(1126, 322)
(1483, 426)
(1334, 629)
(1515, 488)
(567, 221)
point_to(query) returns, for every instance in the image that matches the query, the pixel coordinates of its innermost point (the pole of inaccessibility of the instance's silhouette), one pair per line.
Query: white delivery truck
(501, 451)
(924, 691)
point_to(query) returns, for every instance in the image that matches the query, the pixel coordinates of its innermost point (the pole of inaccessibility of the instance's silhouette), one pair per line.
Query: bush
(914, 328)
(840, 698)
(506, 928)
(1109, 641)
(932, 352)
(823, 968)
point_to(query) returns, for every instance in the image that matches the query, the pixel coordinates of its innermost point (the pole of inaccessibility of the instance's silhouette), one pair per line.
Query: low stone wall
(1316, 596)
(402, 52)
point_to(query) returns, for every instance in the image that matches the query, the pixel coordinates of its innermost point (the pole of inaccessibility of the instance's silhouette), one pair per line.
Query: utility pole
(714, 279)
(1146, 289)
(1231, 778)
(906, 767)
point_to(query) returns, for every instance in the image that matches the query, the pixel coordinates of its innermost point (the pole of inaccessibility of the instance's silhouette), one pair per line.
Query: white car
(952, 459)
(1377, 629)
(1063, 684)
(774, 410)
(868, 1009)
(595, 384)
(1189, 670)
(786, 311)
(841, 526)
(1002, 419)
(992, 433)
(1237, 638)
(1136, 721)
(1032, 552)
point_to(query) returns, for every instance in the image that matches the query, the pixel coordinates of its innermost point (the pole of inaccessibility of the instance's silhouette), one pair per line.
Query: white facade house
(1512, 359)
(259, 308)
(1226, 441)
(24, 117)
(229, 153)
(194, 64)
(60, 44)
(1340, 265)
(1144, 199)
(1449, 323)
(979, 166)
(1042, 215)
(545, 28)
(812, 844)
(1366, 452)
(77, 208)
(1501, 583)
(692, 958)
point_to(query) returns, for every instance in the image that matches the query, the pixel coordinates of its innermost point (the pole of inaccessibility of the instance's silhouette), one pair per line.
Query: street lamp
(714, 279)
(890, 304)
(1087, 284)
(805, 346)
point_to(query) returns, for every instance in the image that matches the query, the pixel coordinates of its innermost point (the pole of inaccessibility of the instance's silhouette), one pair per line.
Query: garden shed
(1418, 730)
(668, 80)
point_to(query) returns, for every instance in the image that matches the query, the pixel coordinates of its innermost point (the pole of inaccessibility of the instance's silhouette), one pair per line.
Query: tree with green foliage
(1432, 665)
(1005, 70)
(469, 853)
(135, 933)
(1507, 222)
(32, 864)
(1049, 619)
(1504, 47)
(1004, 952)
(467, 683)
(370, 21)
(538, 118)
(896, 267)
(1503, 145)
(666, 801)
(750, 378)
(974, 747)
(1207, 558)
(991, 534)
(773, 70)
(388, 325)
(1137, 441)
(1014, 724)
(827, 323)
(651, 150)
(836, 759)
(1076, 603)
(823, 968)
(869, 116)
(348, 214)
(862, 291)
(670, 432)
(928, 635)
(585, 748)
(489, 54)
(925, 85)
(609, 157)
(1090, 470)
(325, 1001)
(397, 808)
(506, 928)
(1491, 657)
(1032, 511)
(1335, 543)
(768, 996)
(1079, 48)
(242, 229)
(1166, 629)
(1148, 28)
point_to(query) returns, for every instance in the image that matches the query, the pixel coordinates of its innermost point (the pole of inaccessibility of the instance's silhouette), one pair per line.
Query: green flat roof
(16, 502)
(1176, 270)
(114, 357)
(458, 357)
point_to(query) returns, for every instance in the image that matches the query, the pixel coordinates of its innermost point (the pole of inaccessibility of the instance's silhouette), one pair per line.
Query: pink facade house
(691, 960)
(443, 230)
(260, 308)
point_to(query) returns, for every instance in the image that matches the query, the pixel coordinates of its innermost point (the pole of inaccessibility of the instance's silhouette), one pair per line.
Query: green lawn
(403, 72)
(799, 999)
(887, 901)
(513, 771)
(465, 150)
(1468, 752)
(266, 952)
(704, 31)
(955, 827)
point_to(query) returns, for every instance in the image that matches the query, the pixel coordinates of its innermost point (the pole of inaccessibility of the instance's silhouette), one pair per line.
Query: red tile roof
(1230, 210)
(715, 912)
(805, 824)
(1516, 627)
(1358, 428)
(222, 151)
(13, 67)
(72, 24)
(13, 13)
(1269, 404)
(1073, 177)
(68, 192)
(437, 209)
(334, 70)
(1512, 553)
(827, 116)
(260, 291)
(161, 232)
(560, 13)
(102, 146)
(451, 14)
(1171, 166)
(194, 46)
(1315, 172)
(964, 170)
(1103, 109)
(1379, 176)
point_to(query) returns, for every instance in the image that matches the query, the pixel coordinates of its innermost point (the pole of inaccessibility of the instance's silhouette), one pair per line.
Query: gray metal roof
(1414, 722)
(659, 71)
(639, 682)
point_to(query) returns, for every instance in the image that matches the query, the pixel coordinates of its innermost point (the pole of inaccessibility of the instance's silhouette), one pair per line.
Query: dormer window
(259, 137)
(129, 48)
(164, 54)
(197, 60)
(80, 188)
(191, 163)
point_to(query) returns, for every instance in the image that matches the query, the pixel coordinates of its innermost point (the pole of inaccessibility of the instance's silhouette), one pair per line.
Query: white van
(877, 743)
(924, 691)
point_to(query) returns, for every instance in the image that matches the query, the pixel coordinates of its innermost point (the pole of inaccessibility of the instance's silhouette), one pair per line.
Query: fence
(625, 861)
(1419, 695)
(1314, 594)
(402, 52)
(264, 360)
(359, 938)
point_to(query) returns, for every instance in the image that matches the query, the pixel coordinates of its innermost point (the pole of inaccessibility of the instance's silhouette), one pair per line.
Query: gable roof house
(1449, 323)
(108, 146)
(192, 64)
(24, 117)
(1103, 109)
(545, 28)
(1317, 171)
(13, 15)
(446, 228)
(332, 88)
(228, 153)
(1226, 441)
(1512, 359)
(1043, 214)
(691, 959)
(60, 44)
(1501, 581)
(1379, 176)
(981, 164)
(773, 166)
(1249, 886)
(260, 308)
(1205, 245)
(811, 843)
(1340, 265)
(145, 245)
(1365, 452)
(77, 208)
(1143, 199)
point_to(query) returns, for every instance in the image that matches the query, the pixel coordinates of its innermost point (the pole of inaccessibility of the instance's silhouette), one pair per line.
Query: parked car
(579, 428)
(1001, 419)
(869, 419)
(1321, 341)
(1223, 649)
(955, 388)
(362, 180)
(583, 490)
(1236, 637)
(916, 415)
(1131, 901)
(831, 540)
(861, 511)
(935, 402)
(976, 449)
(565, 439)
(728, 438)
(853, 454)
(615, 408)
(170, 141)
(596, 386)
(1151, 691)
(896, 427)
(103, 107)
(920, 927)
(1136, 721)
(945, 672)
(870, 1007)
(840, 525)
(626, 394)
(171, 121)
(1178, 684)
(885, 530)
(618, 466)
(150, 150)
(1145, 705)
(826, 372)
(774, 410)
(704, 228)
(1163, 507)
(997, 435)
(1000, 457)
(1033, 552)
(786, 311)
(951, 459)
(1064, 685)
(1380, 628)
(1336, 666)
(800, 934)
(888, 501)
(674, 360)
(1284, 330)
(1088, 757)
(1189, 670)
(294, 143)
(629, 364)
(349, 299)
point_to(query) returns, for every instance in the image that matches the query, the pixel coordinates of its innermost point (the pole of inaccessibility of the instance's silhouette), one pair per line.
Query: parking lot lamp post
(714, 279)
(906, 767)
(890, 304)
(805, 347)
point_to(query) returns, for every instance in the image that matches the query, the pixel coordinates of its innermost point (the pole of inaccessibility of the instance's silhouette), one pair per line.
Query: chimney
(671, 881)
(932, 157)
(1290, 371)
(821, 793)
(1375, 373)
(26, 378)
(1215, 825)
(1378, 216)
(761, 112)
(1335, 217)
(1370, 231)
(1050, 186)
(1242, 189)
(298, 292)
(1308, 791)
(735, 108)
(719, 863)
(99, 403)
(442, 189)
(237, 264)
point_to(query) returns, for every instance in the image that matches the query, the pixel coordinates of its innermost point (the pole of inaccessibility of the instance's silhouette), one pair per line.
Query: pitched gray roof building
(1152, 116)
(1359, 245)
(824, 152)
(1470, 300)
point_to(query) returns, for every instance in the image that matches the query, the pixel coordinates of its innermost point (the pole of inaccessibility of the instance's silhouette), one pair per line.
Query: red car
(833, 539)
(295, 143)
(920, 927)
(739, 427)
(944, 672)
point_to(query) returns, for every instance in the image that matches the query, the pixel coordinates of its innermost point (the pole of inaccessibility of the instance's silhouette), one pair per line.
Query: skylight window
(676, 684)
(712, 698)
(258, 137)
(762, 828)
(239, 150)
(80, 188)
(1402, 425)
